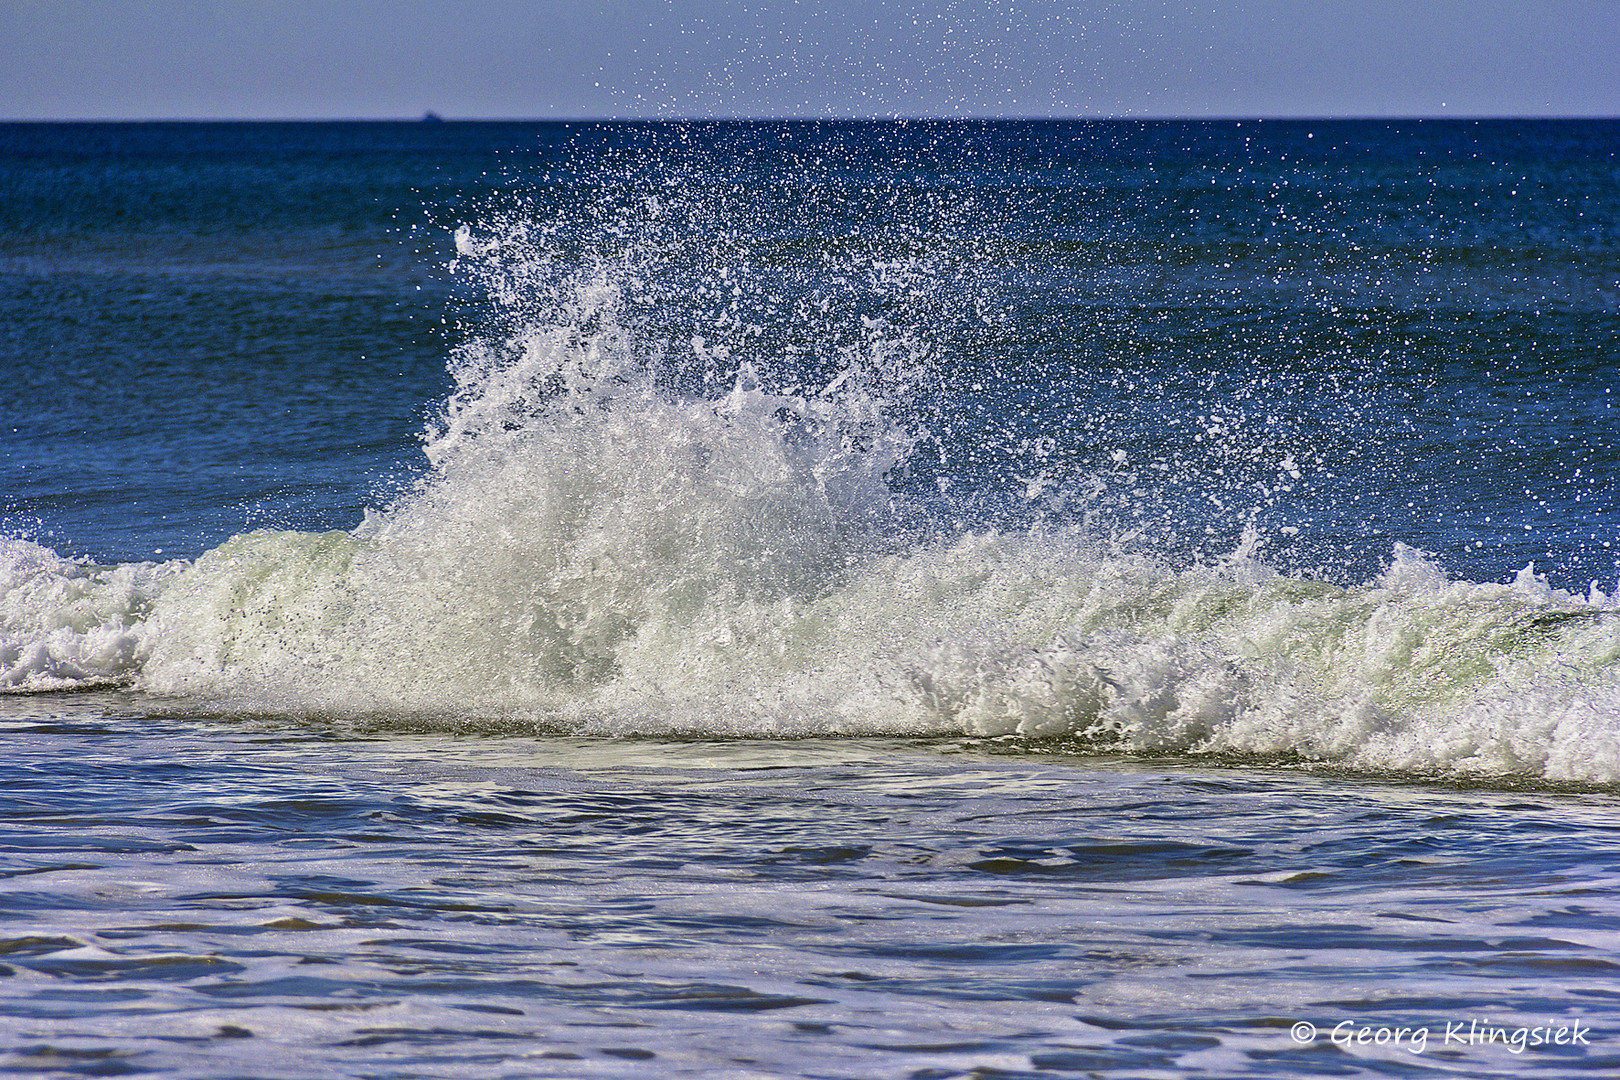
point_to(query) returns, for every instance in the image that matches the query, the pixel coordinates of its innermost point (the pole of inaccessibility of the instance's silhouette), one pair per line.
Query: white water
(594, 551)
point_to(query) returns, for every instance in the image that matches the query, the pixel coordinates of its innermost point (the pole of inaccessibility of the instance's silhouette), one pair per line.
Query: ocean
(810, 599)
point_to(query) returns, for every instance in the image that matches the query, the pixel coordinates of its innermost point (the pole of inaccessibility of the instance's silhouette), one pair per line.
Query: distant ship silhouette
(431, 117)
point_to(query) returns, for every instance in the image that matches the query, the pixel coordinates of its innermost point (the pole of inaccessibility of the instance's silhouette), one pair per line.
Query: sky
(545, 59)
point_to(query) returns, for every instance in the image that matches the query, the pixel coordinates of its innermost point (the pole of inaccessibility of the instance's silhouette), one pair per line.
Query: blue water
(809, 599)
(1426, 310)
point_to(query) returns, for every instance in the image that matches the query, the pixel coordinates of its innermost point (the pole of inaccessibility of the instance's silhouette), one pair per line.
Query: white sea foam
(66, 624)
(620, 619)
(596, 550)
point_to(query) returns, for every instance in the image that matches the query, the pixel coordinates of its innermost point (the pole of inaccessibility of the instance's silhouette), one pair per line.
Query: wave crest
(625, 529)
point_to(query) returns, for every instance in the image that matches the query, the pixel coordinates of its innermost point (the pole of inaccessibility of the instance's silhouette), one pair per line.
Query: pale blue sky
(73, 59)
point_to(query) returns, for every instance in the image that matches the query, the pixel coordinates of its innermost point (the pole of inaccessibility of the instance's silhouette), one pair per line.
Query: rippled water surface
(198, 897)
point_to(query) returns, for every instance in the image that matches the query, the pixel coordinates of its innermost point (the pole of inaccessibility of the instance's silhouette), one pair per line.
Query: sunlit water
(877, 600)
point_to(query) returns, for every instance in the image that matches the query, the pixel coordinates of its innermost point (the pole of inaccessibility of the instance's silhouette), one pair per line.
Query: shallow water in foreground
(200, 897)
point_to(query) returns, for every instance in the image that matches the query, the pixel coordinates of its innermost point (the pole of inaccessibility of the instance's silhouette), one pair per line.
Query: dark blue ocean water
(809, 599)
(210, 328)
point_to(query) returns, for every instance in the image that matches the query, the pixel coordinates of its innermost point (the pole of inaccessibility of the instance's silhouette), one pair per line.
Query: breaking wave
(623, 530)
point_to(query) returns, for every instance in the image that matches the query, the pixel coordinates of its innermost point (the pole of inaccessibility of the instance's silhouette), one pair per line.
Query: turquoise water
(809, 599)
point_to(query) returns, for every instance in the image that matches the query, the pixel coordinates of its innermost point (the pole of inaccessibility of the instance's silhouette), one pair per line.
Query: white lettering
(1474, 1032)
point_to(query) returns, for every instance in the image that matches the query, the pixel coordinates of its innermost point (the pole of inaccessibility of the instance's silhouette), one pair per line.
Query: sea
(869, 599)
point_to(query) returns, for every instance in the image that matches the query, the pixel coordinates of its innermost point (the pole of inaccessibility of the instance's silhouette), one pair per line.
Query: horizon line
(431, 117)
